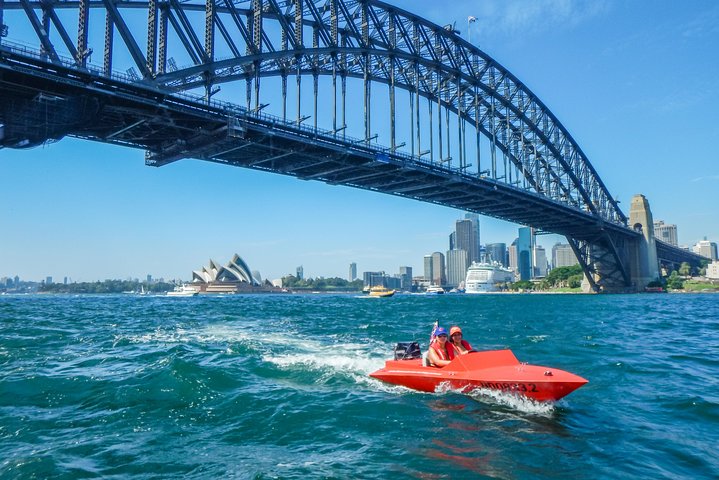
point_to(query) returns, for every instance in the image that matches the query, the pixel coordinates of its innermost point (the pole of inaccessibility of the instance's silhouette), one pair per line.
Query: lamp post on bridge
(470, 20)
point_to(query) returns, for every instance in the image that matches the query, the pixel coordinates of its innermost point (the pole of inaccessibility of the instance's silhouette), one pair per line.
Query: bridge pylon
(644, 262)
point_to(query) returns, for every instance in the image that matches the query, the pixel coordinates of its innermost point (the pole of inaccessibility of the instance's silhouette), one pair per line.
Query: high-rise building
(428, 268)
(512, 254)
(374, 279)
(525, 244)
(497, 252)
(666, 233)
(149, 278)
(456, 267)
(539, 259)
(48, 280)
(453, 240)
(563, 255)
(300, 273)
(466, 239)
(713, 271)
(405, 276)
(706, 248)
(353, 272)
(438, 275)
(474, 218)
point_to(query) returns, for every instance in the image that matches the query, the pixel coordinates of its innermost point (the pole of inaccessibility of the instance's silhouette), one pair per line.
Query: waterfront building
(525, 244)
(235, 277)
(438, 275)
(374, 279)
(563, 255)
(456, 267)
(466, 239)
(706, 248)
(353, 272)
(496, 252)
(48, 280)
(539, 259)
(405, 275)
(300, 273)
(666, 233)
(713, 270)
(428, 268)
(149, 278)
(393, 283)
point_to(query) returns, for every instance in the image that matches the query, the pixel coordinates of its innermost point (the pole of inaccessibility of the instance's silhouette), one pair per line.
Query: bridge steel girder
(368, 40)
(671, 257)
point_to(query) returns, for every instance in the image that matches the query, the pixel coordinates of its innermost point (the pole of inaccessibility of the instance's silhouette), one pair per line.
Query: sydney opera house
(235, 277)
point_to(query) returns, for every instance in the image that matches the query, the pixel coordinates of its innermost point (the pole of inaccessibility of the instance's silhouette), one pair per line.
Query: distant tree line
(107, 286)
(321, 284)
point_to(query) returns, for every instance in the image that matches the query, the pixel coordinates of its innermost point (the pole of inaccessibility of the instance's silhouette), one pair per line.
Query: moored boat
(493, 370)
(380, 291)
(435, 290)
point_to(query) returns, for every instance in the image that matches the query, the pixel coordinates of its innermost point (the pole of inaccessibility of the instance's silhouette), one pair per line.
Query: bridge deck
(91, 106)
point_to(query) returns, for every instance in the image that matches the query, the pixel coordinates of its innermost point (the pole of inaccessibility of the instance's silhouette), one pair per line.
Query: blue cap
(440, 331)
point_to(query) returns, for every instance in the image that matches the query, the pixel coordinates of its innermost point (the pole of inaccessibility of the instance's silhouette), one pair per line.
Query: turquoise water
(261, 387)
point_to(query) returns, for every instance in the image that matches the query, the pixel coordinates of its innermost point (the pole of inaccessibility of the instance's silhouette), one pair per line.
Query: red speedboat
(495, 370)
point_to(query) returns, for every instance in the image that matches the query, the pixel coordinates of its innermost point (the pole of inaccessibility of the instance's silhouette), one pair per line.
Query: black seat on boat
(407, 351)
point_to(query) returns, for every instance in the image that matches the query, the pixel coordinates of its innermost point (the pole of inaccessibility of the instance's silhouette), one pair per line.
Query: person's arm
(435, 360)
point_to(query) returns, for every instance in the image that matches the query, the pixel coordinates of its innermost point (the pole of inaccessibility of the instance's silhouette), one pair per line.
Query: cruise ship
(485, 277)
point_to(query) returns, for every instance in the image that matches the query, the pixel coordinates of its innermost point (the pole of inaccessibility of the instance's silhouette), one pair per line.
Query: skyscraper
(525, 244)
(563, 255)
(466, 239)
(706, 248)
(666, 233)
(438, 275)
(512, 251)
(353, 272)
(539, 259)
(456, 267)
(497, 252)
(428, 268)
(405, 275)
(474, 218)
(300, 273)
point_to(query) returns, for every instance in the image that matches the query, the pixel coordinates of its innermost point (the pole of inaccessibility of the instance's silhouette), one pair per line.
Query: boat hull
(493, 370)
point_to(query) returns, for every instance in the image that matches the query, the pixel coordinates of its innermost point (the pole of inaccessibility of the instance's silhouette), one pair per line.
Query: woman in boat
(440, 351)
(460, 346)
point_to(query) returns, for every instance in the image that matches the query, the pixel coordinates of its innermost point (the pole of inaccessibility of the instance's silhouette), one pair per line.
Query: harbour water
(276, 386)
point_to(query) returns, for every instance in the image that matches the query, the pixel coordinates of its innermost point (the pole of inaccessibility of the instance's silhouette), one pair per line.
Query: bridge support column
(643, 253)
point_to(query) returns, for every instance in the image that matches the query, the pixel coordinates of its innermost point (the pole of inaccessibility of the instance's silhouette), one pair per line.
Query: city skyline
(90, 211)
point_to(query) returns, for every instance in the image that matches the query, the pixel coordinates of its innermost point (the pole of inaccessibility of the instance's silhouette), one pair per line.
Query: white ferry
(484, 277)
(182, 291)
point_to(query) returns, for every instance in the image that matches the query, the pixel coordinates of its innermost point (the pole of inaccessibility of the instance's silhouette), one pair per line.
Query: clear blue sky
(634, 82)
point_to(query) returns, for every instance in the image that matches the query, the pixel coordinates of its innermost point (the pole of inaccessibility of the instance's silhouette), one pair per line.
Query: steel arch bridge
(452, 126)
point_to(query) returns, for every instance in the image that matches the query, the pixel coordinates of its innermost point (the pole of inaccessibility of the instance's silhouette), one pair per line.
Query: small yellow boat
(380, 291)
